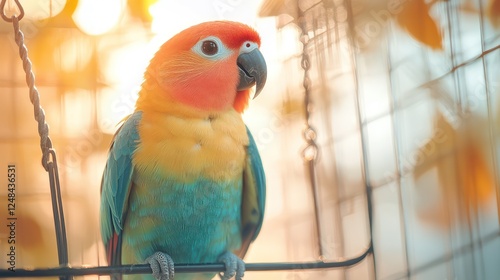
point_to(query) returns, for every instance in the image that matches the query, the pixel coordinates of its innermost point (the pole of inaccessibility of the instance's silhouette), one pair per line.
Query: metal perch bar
(179, 268)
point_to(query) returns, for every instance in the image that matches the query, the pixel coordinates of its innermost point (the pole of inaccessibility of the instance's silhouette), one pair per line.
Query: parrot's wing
(254, 196)
(115, 186)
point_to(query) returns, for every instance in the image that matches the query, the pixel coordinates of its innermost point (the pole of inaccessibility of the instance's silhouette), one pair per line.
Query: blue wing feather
(254, 197)
(259, 178)
(117, 178)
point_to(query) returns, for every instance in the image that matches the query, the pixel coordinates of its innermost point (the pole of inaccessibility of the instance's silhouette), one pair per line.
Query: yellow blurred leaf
(464, 173)
(65, 18)
(140, 9)
(494, 12)
(416, 20)
(468, 7)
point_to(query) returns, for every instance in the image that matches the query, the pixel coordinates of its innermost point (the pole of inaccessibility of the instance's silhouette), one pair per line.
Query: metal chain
(10, 19)
(49, 161)
(311, 151)
(39, 113)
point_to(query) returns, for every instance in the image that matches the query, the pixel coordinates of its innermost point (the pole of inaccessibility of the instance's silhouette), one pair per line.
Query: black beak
(253, 71)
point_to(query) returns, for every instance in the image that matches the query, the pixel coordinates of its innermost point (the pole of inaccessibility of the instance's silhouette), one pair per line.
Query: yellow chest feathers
(189, 148)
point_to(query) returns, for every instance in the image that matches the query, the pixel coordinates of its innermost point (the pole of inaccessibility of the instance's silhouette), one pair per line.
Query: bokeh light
(96, 17)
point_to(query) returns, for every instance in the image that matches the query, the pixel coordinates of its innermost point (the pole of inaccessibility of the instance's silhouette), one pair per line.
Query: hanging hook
(5, 17)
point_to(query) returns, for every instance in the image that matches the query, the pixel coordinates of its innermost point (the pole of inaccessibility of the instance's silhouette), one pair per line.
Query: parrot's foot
(162, 266)
(234, 266)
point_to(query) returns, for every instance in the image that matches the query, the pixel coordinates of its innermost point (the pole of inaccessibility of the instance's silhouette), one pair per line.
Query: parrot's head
(212, 66)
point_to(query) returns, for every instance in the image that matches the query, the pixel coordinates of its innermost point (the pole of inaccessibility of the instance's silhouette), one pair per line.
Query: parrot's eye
(209, 47)
(248, 46)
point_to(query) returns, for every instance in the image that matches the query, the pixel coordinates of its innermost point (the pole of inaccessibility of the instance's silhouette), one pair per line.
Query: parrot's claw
(234, 266)
(162, 266)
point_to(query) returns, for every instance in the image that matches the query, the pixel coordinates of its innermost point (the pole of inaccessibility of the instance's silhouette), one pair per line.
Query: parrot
(184, 181)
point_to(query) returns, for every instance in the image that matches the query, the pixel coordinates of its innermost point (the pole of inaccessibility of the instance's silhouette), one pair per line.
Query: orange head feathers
(211, 66)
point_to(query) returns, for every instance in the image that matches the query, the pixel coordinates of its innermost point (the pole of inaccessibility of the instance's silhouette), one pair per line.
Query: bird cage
(403, 102)
(379, 144)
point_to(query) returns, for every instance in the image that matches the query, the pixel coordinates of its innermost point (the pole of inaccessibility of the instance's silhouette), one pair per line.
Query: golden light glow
(73, 55)
(78, 118)
(170, 17)
(96, 17)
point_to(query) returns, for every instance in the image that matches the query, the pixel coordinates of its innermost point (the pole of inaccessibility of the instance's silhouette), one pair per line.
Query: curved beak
(253, 71)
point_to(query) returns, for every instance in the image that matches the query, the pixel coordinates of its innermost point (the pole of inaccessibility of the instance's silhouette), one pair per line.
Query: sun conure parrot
(184, 181)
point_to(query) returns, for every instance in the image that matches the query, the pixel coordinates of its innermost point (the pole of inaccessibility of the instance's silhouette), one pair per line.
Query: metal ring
(5, 17)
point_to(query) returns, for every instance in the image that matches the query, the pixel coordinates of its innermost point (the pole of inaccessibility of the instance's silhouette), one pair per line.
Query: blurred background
(404, 102)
